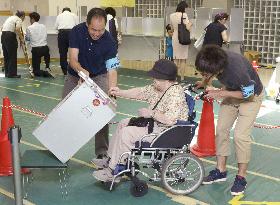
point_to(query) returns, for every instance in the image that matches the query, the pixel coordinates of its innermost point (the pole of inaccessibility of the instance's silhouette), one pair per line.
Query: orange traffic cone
(6, 168)
(205, 145)
(255, 65)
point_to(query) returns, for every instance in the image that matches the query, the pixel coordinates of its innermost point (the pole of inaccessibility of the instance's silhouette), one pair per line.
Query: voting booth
(75, 120)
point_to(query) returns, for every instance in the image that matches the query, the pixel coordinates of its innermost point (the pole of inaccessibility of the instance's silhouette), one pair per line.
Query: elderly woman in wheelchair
(157, 139)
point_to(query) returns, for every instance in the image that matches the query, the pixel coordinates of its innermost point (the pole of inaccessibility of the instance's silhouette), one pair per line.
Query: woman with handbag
(167, 105)
(180, 51)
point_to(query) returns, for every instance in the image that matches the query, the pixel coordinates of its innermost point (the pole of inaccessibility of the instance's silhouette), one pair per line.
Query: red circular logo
(96, 102)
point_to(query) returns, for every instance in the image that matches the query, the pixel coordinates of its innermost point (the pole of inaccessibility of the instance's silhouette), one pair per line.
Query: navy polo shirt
(96, 56)
(239, 75)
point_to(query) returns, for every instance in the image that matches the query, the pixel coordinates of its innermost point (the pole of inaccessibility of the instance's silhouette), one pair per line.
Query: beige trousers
(124, 140)
(244, 113)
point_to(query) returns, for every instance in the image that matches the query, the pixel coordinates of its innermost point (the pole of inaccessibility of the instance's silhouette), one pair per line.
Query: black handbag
(184, 35)
(142, 122)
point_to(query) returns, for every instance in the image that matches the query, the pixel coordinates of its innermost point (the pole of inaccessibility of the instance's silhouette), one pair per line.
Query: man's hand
(199, 85)
(86, 73)
(145, 112)
(216, 94)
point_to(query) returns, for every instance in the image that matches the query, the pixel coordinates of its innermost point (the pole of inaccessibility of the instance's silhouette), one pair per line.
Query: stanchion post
(14, 137)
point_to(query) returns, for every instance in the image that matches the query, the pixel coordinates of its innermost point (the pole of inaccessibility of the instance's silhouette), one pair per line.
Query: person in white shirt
(112, 23)
(36, 34)
(64, 23)
(11, 28)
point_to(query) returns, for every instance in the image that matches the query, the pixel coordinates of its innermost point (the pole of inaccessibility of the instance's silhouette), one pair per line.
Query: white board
(75, 120)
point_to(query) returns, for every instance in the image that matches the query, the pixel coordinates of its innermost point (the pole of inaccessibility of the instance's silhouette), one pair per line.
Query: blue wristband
(113, 63)
(248, 90)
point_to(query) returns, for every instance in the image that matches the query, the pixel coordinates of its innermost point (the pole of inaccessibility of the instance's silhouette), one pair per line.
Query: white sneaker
(30, 70)
(105, 175)
(50, 72)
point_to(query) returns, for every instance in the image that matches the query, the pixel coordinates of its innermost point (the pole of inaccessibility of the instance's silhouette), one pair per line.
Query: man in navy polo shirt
(94, 52)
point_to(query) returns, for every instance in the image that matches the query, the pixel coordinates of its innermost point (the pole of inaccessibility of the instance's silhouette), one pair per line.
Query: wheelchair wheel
(182, 174)
(138, 187)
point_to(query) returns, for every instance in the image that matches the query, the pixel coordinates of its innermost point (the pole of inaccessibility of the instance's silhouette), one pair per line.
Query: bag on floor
(184, 35)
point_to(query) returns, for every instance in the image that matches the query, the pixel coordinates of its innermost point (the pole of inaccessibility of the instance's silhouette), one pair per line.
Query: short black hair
(211, 59)
(96, 12)
(110, 10)
(35, 16)
(181, 7)
(20, 14)
(66, 9)
(220, 16)
(168, 27)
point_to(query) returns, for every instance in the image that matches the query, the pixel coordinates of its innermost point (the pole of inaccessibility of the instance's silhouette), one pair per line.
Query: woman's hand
(145, 112)
(114, 91)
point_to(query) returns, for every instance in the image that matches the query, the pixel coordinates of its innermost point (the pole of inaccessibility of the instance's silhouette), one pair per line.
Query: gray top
(239, 75)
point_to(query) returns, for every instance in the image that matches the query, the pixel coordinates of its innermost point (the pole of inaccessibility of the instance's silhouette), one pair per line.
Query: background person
(64, 23)
(112, 23)
(36, 34)
(12, 28)
(171, 107)
(180, 52)
(216, 31)
(168, 41)
(94, 52)
(241, 101)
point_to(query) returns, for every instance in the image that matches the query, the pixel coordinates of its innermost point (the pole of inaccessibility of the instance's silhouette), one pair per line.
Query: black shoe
(47, 74)
(13, 76)
(101, 156)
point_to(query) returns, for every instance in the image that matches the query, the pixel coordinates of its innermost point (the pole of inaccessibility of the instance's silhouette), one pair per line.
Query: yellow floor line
(179, 198)
(11, 195)
(41, 81)
(127, 76)
(249, 172)
(267, 146)
(30, 93)
(61, 85)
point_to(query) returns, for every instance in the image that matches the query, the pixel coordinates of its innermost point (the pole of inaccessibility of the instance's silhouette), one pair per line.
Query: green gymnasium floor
(42, 95)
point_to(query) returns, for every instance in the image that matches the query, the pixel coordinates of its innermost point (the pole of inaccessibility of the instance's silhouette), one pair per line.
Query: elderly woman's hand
(145, 112)
(114, 91)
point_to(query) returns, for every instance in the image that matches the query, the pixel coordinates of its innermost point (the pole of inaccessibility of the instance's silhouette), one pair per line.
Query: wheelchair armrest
(145, 136)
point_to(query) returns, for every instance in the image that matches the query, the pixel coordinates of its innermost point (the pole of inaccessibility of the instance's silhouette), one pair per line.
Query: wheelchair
(168, 156)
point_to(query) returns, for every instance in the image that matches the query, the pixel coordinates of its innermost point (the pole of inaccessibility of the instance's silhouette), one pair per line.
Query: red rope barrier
(43, 115)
